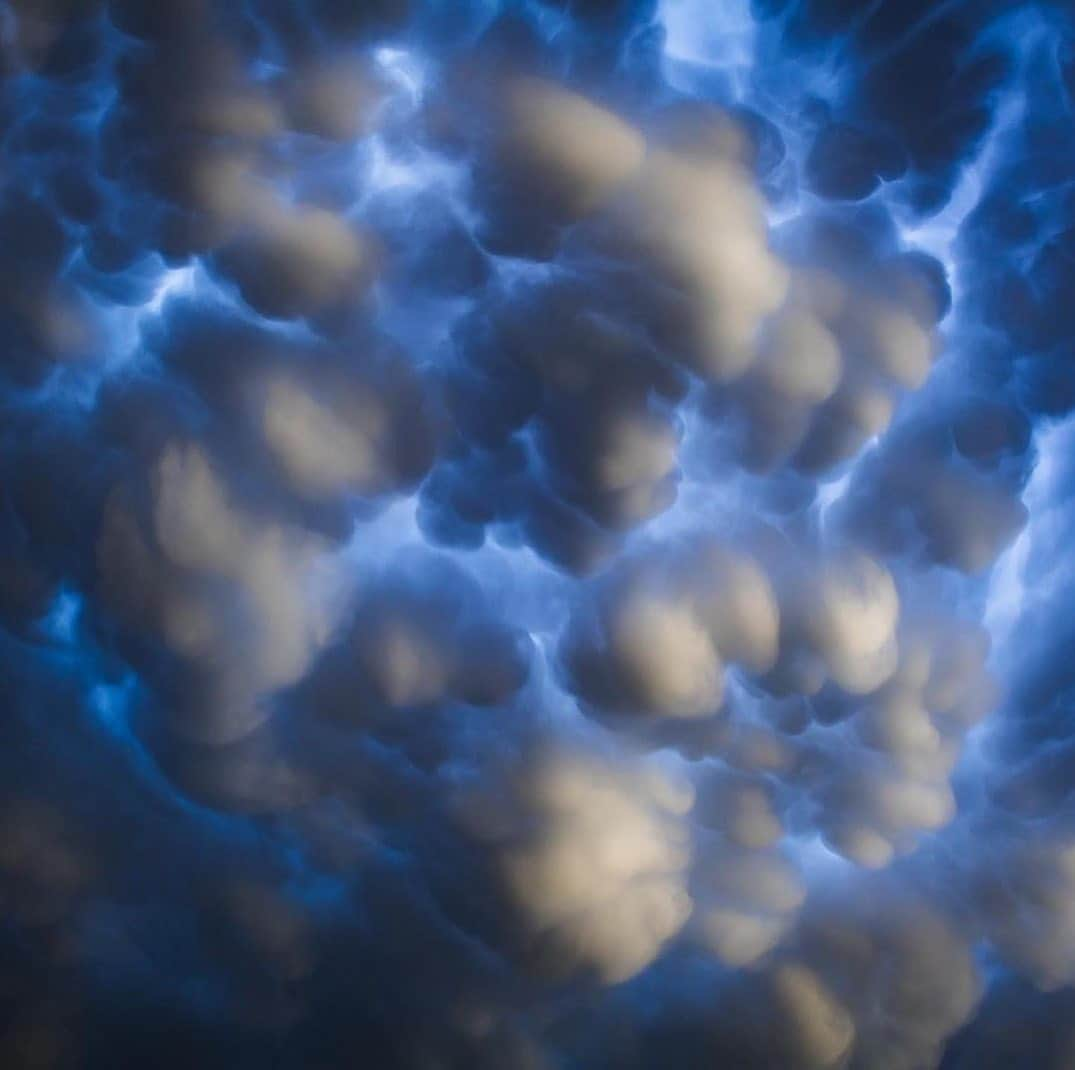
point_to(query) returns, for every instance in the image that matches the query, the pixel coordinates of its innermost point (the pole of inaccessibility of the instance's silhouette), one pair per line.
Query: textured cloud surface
(535, 533)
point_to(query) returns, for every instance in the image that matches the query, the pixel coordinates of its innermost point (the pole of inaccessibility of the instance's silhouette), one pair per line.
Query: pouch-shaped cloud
(699, 226)
(334, 100)
(689, 219)
(362, 437)
(847, 162)
(874, 804)
(562, 419)
(872, 975)
(838, 622)
(668, 271)
(45, 320)
(869, 757)
(562, 149)
(832, 364)
(209, 138)
(1024, 893)
(902, 972)
(918, 495)
(221, 608)
(319, 423)
(592, 858)
(740, 807)
(655, 640)
(422, 634)
(296, 261)
(815, 1029)
(262, 772)
(851, 621)
(746, 901)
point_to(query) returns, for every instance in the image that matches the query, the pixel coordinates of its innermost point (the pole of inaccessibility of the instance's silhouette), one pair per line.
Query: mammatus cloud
(660, 630)
(593, 859)
(534, 534)
(239, 607)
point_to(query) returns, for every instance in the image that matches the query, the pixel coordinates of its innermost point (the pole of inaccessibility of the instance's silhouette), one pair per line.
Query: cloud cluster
(593, 859)
(422, 635)
(801, 358)
(322, 423)
(921, 496)
(748, 894)
(534, 534)
(880, 775)
(901, 972)
(660, 628)
(656, 637)
(830, 369)
(221, 608)
(858, 703)
(873, 976)
(1026, 902)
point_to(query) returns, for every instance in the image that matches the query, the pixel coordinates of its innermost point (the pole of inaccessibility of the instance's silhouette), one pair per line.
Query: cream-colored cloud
(243, 604)
(593, 861)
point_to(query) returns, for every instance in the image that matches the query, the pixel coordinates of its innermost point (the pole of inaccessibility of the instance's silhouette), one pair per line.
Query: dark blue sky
(535, 534)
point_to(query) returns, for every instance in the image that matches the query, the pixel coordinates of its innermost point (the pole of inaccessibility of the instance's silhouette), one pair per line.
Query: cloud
(535, 534)
(655, 640)
(334, 100)
(423, 633)
(290, 262)
(840, 623)
(903, 973)
(231, 603)
(918, 496)
(746, 902)
(593, 859)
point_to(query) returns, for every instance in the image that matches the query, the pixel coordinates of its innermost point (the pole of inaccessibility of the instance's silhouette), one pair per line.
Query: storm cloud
(534, 534)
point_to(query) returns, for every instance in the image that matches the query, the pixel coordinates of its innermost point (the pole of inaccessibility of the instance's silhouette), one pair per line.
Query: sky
(535, 534)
